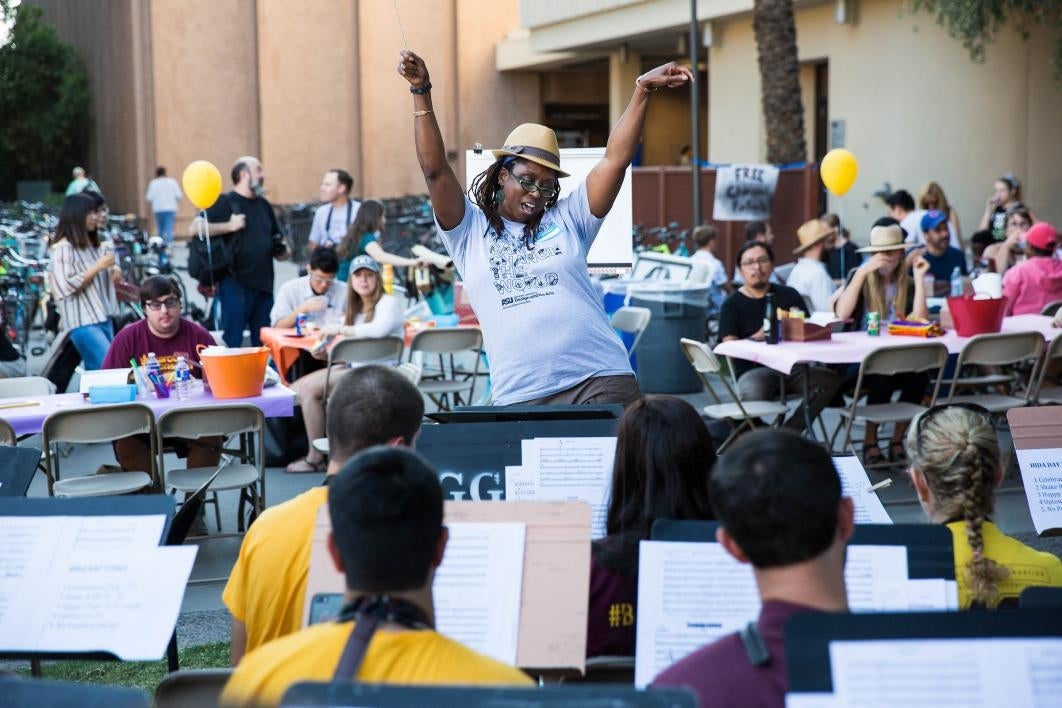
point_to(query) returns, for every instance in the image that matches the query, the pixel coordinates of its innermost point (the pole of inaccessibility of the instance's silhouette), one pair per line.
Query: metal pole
(695, 117)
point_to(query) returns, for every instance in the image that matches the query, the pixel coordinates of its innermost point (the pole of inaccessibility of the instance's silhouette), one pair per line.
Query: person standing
(719, 287)
(81, 183)
(248, 222)
(522, 249)
(337, 212)
(164, 194)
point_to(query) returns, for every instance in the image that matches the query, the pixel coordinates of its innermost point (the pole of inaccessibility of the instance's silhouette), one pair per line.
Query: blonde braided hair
(957, 453)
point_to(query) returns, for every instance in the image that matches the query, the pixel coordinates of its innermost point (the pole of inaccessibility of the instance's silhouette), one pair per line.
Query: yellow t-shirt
(267, 587)
(1028, 567)
(419, 657)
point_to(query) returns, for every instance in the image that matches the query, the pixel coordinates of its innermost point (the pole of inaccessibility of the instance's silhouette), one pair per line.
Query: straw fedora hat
(533, 142)
(810, 233)
(885, 238)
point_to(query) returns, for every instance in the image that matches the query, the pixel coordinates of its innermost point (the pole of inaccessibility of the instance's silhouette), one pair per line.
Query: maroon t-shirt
(613, 608)
(721, 673)
(135, 341)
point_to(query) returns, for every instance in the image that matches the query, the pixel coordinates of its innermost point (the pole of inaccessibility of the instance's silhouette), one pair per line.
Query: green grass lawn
(137, 674)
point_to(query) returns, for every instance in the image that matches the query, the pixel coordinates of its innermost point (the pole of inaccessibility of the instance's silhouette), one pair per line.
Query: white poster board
(613, 250)
(744, 192)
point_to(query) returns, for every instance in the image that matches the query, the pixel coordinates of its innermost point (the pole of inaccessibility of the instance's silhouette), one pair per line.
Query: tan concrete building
(311, 85)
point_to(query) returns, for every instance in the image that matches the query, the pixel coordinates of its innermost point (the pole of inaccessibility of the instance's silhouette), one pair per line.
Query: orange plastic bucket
(234, 373)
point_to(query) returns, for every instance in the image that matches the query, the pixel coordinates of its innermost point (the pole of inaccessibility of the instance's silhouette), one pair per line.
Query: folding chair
(1051, 308)
(98, 424)
(998, 350)
(247, 474)
(1051, 394)
(745, 413)
(191, 687)
(442, 383)
(26, 386)
(889, 361)
(632, 320)
(363, 351)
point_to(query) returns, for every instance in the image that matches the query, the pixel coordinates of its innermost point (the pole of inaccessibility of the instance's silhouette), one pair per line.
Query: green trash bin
(679, 310)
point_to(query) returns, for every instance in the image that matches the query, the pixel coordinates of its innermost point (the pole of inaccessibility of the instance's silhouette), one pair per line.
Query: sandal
(897, 453)
(303, 465)
(872, 456)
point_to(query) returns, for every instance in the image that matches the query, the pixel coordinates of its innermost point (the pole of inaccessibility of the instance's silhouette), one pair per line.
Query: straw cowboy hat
(885, 238)
(533, 142)
(810, 233)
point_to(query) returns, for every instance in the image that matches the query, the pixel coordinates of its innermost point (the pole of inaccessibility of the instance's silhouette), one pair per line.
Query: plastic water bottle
(956, 282)
(182, 379)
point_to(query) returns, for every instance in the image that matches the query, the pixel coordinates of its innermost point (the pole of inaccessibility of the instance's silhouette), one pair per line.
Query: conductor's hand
(669, 75)
(413, 69)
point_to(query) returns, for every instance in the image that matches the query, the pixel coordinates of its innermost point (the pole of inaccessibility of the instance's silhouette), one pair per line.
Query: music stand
(17, 467)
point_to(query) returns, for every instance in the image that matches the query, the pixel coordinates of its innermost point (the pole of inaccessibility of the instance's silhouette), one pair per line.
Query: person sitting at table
(315, 294)
(370, 312)
(942, 258)
(167, 335)
(742, 317)
(956, 468)
(372, 405)
(1037, 281)
(781, 509)
(882, 285)
(388, 539)
(663, 457)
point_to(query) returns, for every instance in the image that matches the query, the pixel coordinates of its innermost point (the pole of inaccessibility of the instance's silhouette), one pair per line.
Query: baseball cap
(364, 262)
(1042, 236)
(932, 219)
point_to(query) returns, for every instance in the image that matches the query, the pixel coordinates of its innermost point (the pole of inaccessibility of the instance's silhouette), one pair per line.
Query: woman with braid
(956, 468)
(521, 249)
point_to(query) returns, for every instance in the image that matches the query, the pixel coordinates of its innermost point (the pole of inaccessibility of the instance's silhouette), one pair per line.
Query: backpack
(209, 263)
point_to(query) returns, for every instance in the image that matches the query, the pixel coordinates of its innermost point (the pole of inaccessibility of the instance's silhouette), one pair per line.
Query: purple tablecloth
(852, 347)
(275, 402)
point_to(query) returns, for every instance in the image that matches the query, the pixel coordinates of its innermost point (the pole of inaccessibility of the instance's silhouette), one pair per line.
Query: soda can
(873, 324)
(300, 324)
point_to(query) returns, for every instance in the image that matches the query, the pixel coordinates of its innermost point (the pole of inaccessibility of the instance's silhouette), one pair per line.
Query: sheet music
(876, 578)
(477, 587)
(1041, 475)
(689, 595)
(854, 484)
(811, 700)
(125, 602)
(565, 469)
(928, 595)
(929, 673)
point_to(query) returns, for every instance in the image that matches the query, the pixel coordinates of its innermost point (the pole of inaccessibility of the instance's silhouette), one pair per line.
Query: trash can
(679, 310)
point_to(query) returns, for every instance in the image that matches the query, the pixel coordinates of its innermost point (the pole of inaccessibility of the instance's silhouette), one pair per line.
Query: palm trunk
(783, 111)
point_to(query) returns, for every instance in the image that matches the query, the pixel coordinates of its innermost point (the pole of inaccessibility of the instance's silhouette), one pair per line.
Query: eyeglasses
(761, 261)
(170, 303)
(319, 279)
(531, 186)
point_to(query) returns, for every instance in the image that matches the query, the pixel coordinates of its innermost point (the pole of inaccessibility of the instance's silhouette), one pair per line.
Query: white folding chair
(743, 413)
(98, 424)
(355, 350)
(1014, 348)
(26, 386)
(243, 470)
(448, 380)
(632, 320)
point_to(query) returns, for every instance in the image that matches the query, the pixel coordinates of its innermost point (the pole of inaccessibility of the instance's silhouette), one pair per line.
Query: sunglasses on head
(924, 416)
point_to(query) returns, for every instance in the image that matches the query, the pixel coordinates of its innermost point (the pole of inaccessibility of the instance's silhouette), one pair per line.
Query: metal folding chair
(1013, 348)
(632, 320)
(448, 380)
(1051, 394)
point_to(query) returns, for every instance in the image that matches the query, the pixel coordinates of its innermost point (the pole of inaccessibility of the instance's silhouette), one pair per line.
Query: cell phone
(325, 607)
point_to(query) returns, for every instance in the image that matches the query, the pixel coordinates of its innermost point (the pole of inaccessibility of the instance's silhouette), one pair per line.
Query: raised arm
(603, 182)
(447, 196)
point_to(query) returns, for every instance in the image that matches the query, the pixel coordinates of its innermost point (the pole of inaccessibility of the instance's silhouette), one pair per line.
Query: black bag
(209, 266)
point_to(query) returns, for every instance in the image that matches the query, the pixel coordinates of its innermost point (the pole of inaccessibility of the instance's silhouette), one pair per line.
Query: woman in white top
(82, 279)
(370, 313)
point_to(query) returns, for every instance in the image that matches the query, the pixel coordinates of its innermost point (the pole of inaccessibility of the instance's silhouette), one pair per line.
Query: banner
(744, 192)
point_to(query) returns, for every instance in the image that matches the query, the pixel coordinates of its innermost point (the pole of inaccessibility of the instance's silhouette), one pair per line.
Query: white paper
(1041, 475)
(744, 192)
(124, 602)
(823, 319)
(103, 377)
(477, 587)
(952, 596)
(973, 673)
(566, 469)
(928, 595)
(854, 484)
(811, 700)
(689, 595)
(876, 578)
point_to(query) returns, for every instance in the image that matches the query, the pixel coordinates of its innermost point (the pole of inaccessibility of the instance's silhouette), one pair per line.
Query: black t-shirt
(742, 316)
(7, 349)
(254, 244)
(851, 260)
(998, 222)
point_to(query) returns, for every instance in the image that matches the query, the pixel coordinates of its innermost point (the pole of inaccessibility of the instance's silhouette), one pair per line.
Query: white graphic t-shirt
(544, 325)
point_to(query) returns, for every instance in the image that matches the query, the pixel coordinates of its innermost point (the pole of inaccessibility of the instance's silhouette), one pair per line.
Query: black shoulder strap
(755, 648)
(356, 648)
(367, 613)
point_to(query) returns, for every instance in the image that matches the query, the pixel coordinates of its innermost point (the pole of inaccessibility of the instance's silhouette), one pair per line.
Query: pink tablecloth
(275, 402)
(852, 347)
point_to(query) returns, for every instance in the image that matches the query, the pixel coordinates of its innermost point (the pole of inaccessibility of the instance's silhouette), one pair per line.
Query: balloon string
(405, 44)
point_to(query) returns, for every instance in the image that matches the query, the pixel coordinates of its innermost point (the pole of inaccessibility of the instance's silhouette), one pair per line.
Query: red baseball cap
(1042, 236)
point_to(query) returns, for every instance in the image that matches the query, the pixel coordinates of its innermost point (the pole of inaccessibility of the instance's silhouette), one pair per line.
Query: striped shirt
(79, 303)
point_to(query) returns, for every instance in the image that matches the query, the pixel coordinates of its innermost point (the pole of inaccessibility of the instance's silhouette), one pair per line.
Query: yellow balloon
(202, 184)
(839, 170)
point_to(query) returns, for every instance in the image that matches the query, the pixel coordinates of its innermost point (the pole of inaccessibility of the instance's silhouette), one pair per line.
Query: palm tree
(783, 111)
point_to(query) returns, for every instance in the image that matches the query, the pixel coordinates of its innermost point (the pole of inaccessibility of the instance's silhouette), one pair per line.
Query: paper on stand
(477, 587)
(855, 485)
(876, 578)
(1041, 475)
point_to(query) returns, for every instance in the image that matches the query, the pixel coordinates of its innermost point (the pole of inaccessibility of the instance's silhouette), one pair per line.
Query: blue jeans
(91, 342)
(164, 221)
(242, 307)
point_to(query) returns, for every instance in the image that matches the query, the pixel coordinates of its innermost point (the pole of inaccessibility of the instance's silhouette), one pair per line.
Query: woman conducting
(521, 249)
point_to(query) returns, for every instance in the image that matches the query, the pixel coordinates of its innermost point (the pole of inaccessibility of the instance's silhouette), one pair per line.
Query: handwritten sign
(744, 192)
